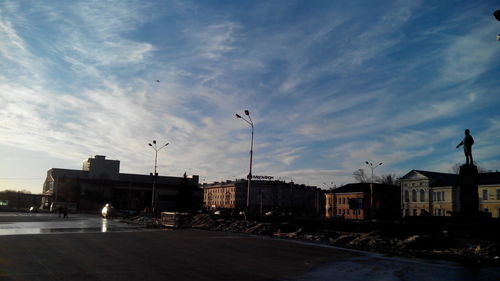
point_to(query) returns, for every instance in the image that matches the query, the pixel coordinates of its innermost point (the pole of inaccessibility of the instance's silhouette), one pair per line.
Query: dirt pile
(207, 221)
(442, 247)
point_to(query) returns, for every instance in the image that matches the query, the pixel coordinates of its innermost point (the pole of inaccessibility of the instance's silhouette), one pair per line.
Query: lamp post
(249, 177)
(370, 164)
(155, 175)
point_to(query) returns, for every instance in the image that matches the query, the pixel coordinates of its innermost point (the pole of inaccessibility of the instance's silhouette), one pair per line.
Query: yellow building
(489, 193)
(437, 194)
(428, 193)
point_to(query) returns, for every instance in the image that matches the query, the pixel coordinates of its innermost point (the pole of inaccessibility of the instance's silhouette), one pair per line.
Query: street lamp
(370, 164)
(249, 177)
(155, 175)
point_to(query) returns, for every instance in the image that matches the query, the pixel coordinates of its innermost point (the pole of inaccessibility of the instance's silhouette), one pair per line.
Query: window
(442, 197)
(407, 212)
(422, 195)
(414, 195)
(407, 195)
(415, 210)
(498, 194)
(485, 194)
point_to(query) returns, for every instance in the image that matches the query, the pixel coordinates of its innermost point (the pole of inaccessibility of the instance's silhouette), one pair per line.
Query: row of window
(439, 212)
(221, 190)
(414, 184)
(347, 212)
(220, 202)
(210, 196)
(439, 196)
(486, 195)
(414, 195)
(342, 200)
(414, 212)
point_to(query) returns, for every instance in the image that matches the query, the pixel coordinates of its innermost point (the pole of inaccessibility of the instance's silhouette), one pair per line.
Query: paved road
(157, 255)
(133, 254)
(44, 223)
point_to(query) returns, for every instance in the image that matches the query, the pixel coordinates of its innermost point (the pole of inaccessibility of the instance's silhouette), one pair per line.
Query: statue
(467, 142)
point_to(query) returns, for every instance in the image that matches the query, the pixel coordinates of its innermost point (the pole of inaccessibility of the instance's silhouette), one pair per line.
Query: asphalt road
(85, 247)
(157, 255)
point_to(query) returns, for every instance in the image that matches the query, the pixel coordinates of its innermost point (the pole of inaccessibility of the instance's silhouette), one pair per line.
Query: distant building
(354, 202)
(265, 196)
(437, 194)
(100, 182)
(14, 201)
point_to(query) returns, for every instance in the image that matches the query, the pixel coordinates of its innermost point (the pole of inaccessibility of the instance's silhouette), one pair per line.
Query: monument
(468, 180)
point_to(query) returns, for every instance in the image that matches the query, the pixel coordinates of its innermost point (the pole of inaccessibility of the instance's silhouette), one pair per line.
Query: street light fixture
(155, 175)
(370, 164)
(249, 177)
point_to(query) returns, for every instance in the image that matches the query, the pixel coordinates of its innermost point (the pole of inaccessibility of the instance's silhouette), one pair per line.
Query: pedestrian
(60, 210)
(65, 211)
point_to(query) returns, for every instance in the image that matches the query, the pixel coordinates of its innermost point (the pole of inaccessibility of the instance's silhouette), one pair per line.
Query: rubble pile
(143, 221)
(207, 221)
(441, 247)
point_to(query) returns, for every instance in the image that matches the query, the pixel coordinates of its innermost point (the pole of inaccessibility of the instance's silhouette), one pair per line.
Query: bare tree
(389, 179)
(360, 176)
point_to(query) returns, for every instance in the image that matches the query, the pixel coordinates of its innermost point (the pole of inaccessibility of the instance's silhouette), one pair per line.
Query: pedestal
(469, 198)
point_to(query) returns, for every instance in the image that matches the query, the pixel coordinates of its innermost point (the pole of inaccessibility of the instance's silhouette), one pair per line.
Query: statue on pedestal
(467, 142)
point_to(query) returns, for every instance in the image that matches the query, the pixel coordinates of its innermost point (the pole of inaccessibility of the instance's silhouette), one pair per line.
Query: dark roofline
(363, 187)
(122, 177)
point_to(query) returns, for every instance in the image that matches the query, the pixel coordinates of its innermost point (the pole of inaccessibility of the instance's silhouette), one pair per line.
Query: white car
(108, 211)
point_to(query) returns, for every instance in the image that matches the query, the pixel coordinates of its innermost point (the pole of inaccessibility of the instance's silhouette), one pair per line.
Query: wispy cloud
(328, 87)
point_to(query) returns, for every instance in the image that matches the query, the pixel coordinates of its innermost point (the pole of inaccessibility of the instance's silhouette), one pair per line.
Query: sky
(329, 85)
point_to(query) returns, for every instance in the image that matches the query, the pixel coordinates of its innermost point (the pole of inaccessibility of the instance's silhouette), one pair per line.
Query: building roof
(68, 173)
(489, 178)
(134, 178)
(364, 187)
(440, 179)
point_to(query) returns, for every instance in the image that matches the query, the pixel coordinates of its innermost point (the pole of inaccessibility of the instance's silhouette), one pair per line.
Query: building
(100, 182)
(354, 202)
(489, 193)
(438, 194)
(265, 196)
(15, 201)
(429, 193)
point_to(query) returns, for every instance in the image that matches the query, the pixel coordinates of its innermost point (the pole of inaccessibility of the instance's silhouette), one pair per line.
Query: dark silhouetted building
(354, 202)
(265, 196)
(100, 182)
(15, 201)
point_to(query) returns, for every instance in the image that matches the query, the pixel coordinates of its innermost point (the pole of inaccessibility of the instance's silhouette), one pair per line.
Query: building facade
(429, 193)
(265, 196)
(489, 193)
(100, 182)
(363, 201)
(438, 194)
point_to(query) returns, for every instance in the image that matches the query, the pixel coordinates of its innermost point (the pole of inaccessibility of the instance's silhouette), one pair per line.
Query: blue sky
(329, 84)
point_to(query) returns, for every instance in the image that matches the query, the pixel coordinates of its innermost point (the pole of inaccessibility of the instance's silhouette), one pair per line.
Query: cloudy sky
(329, 85)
